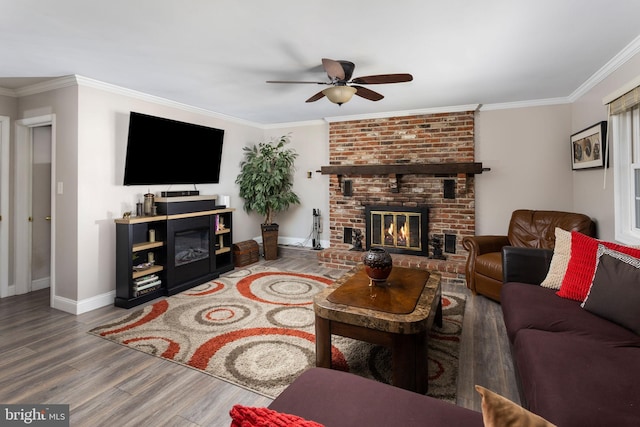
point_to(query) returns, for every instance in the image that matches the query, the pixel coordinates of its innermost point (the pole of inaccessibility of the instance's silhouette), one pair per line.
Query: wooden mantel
(397, 170)
(468, 168)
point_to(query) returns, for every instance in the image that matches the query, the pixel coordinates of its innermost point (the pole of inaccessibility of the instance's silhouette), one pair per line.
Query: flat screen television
(164, 151)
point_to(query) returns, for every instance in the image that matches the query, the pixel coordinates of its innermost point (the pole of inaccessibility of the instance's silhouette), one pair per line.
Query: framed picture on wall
(588, 147)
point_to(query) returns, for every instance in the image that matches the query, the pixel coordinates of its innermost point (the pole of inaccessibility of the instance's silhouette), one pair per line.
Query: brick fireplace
(422, 161)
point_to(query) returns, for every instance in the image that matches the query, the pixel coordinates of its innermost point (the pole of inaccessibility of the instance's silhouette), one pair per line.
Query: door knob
(47, 218)
(30, 219)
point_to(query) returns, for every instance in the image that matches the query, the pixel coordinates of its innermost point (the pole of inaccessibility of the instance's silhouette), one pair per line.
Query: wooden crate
(245, 253)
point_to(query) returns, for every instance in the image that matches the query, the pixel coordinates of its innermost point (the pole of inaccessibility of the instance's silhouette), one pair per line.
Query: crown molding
(525, 104)
(612, 65)
(8, 92)
(108, 87)
(46, 86)
(77, 80)
(293, 124)
(607, 69)
(403, 113)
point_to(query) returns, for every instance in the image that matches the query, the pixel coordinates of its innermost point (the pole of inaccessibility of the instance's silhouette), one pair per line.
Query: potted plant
(266, 182)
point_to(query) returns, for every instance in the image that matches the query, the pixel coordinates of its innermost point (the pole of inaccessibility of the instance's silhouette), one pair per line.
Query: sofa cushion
(575, 381)
(527, 306)
(336, 399)
(498, 411)
(615, 291)
(559, 261)
(582, 265)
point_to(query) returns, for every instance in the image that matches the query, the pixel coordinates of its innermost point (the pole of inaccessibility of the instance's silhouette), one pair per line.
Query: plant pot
(270, 241)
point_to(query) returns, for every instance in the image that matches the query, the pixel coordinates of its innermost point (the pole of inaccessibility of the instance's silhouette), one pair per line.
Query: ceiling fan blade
(296, 82)
(348, 68)
(315, 97)
(333, 68)
(383, 78)
(368, 93)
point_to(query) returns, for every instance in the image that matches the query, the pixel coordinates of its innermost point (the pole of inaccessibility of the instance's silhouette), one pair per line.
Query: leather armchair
(527, 229)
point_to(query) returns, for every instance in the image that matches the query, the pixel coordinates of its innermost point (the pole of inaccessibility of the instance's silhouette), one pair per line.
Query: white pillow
(559, 260)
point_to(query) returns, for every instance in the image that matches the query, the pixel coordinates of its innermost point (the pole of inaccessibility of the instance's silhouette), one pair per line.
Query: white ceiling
(217, 54)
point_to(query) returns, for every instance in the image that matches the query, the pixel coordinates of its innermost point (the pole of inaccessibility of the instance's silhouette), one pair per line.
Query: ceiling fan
(342, 87)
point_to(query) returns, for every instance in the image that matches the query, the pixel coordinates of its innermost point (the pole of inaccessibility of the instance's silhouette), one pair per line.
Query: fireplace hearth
(398, 229)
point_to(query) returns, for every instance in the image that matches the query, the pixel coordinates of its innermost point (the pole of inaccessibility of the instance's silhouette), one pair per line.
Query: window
(625, 137)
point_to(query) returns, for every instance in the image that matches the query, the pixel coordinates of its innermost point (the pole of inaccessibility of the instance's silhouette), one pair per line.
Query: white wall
(102, 141)
(527, 150)
(311, 142)
(590, 194)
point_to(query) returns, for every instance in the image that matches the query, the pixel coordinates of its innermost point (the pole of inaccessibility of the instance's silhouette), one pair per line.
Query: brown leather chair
(528, 229)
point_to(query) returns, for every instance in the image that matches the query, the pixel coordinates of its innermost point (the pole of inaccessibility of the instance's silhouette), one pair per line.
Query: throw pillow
(582, 265)
(246, 416)
(559, 260)
(498, 411)
(615, 291)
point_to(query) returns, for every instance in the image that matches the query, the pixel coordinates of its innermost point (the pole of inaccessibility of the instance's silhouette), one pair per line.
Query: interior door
(41, 208)
(4, 206)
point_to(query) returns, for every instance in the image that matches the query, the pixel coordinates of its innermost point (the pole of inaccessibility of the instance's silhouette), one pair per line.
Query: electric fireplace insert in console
(189, 252)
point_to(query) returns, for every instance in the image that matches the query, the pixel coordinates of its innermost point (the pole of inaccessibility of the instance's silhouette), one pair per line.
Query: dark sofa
(334, 398)
(574, 368)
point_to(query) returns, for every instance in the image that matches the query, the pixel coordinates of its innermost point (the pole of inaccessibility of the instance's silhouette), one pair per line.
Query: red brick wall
(432, 138)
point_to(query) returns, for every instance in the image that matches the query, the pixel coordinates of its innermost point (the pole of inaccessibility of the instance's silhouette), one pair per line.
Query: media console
(188, 243)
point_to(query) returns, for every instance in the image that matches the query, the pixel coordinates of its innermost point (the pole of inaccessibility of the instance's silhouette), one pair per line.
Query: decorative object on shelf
(266, 185)
(143, 266)
(378, 265)
(126, 215)
(148, 203)
(356, 239)
(139, 209)
(437, 248)
(152, 235)
(588, 147)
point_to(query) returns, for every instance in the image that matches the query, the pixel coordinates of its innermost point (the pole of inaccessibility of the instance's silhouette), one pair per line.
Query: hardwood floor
(47, 356)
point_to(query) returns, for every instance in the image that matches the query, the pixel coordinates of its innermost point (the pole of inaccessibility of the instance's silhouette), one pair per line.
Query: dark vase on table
(378, 265)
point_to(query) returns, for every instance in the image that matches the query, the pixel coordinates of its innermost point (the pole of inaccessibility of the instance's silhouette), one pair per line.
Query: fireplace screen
(191, 246)
(397, 229)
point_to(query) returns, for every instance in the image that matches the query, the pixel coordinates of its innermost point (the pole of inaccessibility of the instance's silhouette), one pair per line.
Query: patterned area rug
(254, 328)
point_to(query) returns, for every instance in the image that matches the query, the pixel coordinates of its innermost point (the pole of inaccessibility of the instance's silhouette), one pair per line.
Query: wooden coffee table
(398, 315)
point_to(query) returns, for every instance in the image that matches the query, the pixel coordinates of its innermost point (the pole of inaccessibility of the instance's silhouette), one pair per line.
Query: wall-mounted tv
(164, 151)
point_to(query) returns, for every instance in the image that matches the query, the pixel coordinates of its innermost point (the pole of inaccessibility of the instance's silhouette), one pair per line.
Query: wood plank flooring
(47, 356)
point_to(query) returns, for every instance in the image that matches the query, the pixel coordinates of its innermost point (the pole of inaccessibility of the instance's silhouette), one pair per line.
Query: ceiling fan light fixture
(339, 94)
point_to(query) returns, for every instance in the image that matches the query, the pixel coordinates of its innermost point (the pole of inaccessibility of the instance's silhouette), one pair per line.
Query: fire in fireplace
(398, 229)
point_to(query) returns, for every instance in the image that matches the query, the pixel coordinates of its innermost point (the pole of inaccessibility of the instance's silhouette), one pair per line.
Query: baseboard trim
(83, 306)
(295, 241)
(39, 284)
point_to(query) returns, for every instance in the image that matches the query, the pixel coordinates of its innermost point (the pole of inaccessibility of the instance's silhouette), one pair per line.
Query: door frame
(23, 229)
(5, 134)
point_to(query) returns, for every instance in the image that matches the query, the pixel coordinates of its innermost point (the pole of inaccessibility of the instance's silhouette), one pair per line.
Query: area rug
(254, 327)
